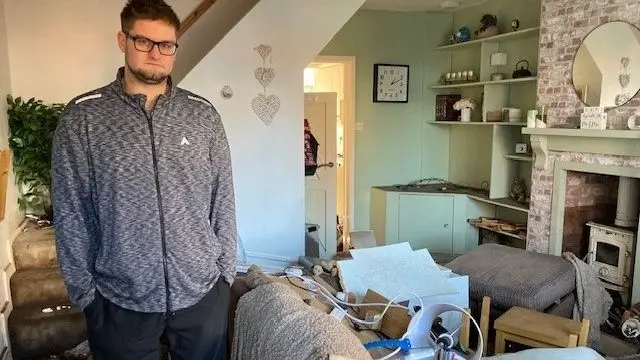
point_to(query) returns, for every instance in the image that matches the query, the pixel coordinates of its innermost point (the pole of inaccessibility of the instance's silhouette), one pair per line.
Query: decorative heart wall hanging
(263, 50)
(265, 76)
(265, 107)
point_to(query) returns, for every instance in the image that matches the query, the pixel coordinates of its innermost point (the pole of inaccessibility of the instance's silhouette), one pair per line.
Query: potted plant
(465, 106)
(32, 125)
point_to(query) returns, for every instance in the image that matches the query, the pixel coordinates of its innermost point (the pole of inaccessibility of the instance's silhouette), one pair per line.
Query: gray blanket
(592, 300)
(273, 323)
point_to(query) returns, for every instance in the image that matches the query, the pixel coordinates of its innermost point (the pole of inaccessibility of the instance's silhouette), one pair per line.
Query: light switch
(359, 126)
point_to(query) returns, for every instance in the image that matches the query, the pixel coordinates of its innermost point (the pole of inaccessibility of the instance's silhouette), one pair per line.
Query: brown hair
(147, 10)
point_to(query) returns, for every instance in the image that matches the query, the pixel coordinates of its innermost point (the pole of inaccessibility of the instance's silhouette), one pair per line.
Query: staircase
(42, 321)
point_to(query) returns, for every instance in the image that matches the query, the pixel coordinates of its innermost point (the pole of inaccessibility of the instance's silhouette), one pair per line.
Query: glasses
(143, 44)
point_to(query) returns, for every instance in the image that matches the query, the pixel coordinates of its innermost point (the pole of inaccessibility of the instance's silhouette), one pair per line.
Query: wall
(391, 147)
(13, 217)
(268, 160)
(565, 24)
(60, 49)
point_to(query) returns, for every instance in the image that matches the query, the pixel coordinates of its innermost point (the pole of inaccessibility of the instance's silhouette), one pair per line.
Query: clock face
(391, 83)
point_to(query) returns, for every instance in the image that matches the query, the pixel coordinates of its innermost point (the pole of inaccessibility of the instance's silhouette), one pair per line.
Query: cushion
(272, 322)
(515, 277)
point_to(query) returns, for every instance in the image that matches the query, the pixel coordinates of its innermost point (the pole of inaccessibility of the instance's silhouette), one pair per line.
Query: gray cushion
(515, 277)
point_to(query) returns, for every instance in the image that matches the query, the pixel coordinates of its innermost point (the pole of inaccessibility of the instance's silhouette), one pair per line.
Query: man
(144, 204)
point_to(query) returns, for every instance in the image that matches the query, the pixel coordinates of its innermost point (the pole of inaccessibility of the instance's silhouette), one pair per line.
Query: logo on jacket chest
(184, 141)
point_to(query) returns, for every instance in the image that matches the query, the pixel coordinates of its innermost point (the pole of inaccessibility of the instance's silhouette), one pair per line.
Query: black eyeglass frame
(155, 43)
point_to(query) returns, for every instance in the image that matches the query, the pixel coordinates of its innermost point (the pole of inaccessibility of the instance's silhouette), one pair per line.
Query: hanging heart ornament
(265, 107)
(624, 80)
(265, 75)
(263, 50)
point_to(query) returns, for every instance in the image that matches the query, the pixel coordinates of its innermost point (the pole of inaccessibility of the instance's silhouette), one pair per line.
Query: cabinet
(435, 221)
(426, 221)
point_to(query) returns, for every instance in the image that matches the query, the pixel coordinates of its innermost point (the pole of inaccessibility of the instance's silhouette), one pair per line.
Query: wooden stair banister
(194, 16)
(204, 28)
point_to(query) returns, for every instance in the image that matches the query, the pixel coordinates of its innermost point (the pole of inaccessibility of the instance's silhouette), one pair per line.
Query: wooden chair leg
(500, 343)
(584, 332)
(464, 330)
(484, 323)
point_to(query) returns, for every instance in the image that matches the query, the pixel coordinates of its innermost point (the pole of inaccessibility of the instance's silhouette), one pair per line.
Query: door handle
(329, 164)
(446, 226)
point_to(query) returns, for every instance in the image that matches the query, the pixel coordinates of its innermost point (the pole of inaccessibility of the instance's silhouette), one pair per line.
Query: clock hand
(394, 81)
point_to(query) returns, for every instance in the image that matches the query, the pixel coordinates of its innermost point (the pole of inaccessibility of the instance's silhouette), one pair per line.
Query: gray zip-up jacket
(143, 201)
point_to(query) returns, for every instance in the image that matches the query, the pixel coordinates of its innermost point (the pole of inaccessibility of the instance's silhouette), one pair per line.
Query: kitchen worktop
(433, 188)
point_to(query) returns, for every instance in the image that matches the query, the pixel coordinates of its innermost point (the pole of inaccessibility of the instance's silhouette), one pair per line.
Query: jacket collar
(118, 86)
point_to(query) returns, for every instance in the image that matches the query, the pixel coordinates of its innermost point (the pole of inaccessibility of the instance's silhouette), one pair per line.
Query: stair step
(35, 248)
(38, 286)
(34, 333)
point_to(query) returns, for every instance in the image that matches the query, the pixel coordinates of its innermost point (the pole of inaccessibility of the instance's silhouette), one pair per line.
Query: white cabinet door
(426, 221)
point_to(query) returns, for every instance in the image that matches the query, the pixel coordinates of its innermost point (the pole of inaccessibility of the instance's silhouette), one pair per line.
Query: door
(426, 221)
(320, 110)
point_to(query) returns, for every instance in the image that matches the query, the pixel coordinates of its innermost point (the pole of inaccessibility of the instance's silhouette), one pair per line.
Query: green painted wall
(395, 146)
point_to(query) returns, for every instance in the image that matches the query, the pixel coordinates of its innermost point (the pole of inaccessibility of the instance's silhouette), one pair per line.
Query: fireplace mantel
(609, 142)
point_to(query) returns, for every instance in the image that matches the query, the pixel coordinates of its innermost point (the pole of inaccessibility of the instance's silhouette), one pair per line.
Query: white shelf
(482, 83)
(514, 35)
(519, 157)
(490, 123)
(503, 202)
(512, 235)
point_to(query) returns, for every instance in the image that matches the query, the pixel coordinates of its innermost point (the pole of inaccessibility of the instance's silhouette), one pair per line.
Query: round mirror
(606, 68)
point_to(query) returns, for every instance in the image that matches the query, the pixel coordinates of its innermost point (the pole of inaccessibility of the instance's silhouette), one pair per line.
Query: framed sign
(390, 83)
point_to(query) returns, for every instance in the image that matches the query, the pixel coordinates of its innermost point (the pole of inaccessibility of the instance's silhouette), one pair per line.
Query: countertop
(433, 188)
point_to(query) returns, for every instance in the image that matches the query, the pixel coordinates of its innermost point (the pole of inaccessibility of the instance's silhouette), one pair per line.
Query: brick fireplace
(564, 24)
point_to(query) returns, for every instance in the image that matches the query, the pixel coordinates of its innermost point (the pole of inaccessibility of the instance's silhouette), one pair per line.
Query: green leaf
(32, 125)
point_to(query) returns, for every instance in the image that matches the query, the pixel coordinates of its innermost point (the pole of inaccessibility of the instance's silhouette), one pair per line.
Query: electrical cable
(334, 298)
(331, 298)
(335, 302)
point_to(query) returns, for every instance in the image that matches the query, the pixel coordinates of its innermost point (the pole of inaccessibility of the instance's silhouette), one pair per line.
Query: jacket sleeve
(74, 218)
(223, 212)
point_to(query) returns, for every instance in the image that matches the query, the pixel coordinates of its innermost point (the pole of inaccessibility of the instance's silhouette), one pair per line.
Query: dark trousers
(195, 333)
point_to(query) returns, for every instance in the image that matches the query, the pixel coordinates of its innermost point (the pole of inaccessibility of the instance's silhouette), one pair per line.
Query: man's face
(148, 62)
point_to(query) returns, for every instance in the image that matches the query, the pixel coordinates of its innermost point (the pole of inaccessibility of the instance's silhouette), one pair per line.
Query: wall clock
(391, 83)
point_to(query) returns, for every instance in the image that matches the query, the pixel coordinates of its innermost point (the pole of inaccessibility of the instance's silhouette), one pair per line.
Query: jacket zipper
(162, 231)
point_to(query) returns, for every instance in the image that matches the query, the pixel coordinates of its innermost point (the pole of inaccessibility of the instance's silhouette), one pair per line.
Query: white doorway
(336, 74)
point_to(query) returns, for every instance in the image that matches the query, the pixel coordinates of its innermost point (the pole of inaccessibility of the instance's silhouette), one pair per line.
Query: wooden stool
(537, 329)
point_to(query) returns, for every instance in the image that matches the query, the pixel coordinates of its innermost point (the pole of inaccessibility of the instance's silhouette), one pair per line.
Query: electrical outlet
(521, 148)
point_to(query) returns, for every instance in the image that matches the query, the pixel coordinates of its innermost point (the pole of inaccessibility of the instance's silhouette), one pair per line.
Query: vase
(465, 115)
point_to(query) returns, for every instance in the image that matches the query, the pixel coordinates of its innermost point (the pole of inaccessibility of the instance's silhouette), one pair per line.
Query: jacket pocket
(215, 245)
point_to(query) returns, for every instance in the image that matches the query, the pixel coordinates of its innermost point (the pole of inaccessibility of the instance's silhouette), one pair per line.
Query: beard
(147, 76)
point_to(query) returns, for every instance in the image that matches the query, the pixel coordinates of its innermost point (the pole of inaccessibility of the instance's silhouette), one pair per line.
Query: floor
(614, 347)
